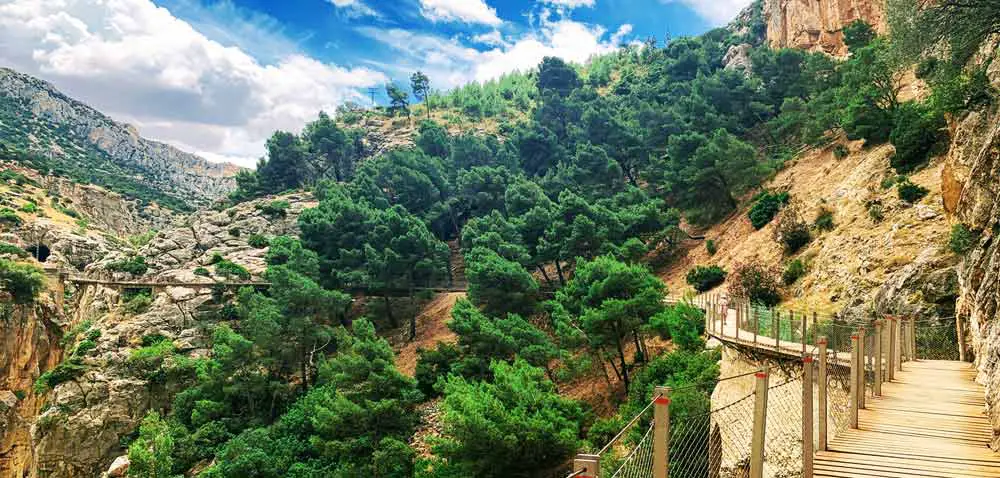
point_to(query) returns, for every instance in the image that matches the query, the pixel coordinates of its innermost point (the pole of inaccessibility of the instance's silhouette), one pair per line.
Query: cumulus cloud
(569, 3)
(466, 11)
(449, 63)
(718, 12)
(139, 63)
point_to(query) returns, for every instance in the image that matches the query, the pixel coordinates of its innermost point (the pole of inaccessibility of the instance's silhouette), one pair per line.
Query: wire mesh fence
(937, 339)
(639, 461)
(713, 444)
(783, 443)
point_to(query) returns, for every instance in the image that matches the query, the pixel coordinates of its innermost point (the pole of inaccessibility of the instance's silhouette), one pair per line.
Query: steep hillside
(816, 24)
(75, 140)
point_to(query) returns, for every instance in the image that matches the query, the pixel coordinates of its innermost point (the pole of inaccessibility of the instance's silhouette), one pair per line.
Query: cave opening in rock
(40, 252)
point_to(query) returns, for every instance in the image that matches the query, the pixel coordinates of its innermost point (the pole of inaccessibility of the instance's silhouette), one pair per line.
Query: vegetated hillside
(52, 132)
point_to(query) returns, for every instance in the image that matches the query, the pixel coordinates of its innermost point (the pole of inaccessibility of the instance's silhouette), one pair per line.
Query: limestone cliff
(816, 24)
(42, 119)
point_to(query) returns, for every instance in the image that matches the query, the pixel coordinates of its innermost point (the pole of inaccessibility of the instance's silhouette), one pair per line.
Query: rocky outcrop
(816, 25)
(79, 434)
(738, 58)
(163, 167)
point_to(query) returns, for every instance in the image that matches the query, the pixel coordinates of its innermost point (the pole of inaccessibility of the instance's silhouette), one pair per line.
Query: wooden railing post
(821, 399)
(661, 433)
(807, 416)
(805, 331)
(891, 363)
(878, 358)
(739, 318)
(759, 424)
(960, 330)
(863, 366)
(913, 339)
(899, 343)
(756, 323)
(776, 327)
(854, 401)
(589, 466)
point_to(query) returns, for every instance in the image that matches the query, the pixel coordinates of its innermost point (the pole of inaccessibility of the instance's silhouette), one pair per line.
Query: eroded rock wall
(816, 25)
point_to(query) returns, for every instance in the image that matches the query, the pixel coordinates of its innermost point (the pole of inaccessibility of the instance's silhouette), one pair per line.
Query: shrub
(433, 365)
(234, 231)
(30, 208)
(68, 211)
(68, 370)
(22, 282)
(926, 67)
(756, 283)
(910, 192)
(139, 303)
(683, 324)
(840, 151)
(766, 207)
(711, 247)
(201, 271)
(10, 249)
(228, 269)
(10, 217)
(140, 240)
(704, 278)
(876, 211)
(258, 241)
(135, 266)
(916, 131)
(276, 208)
(791, 231)
(793, 271)
(824, 220)
(216, 258)
(962, 239)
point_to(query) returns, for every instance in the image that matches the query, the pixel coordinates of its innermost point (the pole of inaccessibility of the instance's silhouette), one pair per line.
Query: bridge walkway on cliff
(927, 421)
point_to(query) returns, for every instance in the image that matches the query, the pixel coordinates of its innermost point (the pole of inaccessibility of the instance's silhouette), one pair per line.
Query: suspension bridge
(891, 397)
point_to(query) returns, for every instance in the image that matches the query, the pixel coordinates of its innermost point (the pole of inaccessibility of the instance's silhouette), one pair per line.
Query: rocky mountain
(78, 141)
(816, 24)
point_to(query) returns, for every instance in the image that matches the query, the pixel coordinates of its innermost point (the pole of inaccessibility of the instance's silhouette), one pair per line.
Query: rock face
(183, 175)
(78, 434)
(972, 184)
(816, 25)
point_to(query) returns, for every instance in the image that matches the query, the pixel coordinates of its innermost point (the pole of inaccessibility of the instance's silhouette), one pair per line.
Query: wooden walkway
(929, 422)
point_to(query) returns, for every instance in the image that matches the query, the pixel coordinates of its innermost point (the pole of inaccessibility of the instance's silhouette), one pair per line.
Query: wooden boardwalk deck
(929, 422)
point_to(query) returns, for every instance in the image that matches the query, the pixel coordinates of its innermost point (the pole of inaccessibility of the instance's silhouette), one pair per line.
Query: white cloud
(449, 63)
(493, 38)
(718, 12)
(570, 3)
(139, 63)
(354, 8)
(466, 11)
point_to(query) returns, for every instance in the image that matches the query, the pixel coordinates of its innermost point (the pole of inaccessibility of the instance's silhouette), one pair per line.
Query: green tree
(514, 426)
(330, 148)
(498, 285)
(22, 282)
(858, 34)
(420, 85)
(613, 301)
(150, 454)
(433, 139)
(399, 100)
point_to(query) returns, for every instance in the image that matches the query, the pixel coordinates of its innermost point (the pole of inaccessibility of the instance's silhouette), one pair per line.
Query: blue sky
(216, 77)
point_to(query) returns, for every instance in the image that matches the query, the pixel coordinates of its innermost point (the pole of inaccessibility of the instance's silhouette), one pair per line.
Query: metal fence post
(854, 381)
(878, 358)
(661, 433)
(891, 363)
(589, 466)
(821, 405)
(759, 425)
(807, 416)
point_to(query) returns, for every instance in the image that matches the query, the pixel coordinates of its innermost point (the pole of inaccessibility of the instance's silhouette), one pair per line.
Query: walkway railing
(777, 427)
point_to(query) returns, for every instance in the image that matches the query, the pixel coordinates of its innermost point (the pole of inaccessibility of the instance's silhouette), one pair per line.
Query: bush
(433, 365)
(683, 324)
(824, 220)
(70, 369)
(840, 151)
(22, 282)
(704, 278)
(216, 258)
(10, 249)
(711, 247)
(910, 192)
(135, 266)
(766, 207)
(10, 217)
(756, 283)
(139, 303)
(926, 67)
(201, 271)
(791, 231)
(273, 209)
(916, 131)
(30, 208)
(793, 271)
(140, 240)
(876, 211)
(228, 269)
(962, 239)
(258, 241)
(234, 231)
